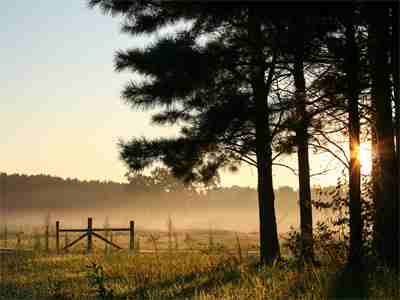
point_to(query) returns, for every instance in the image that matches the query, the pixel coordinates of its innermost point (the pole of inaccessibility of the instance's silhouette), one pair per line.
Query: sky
(60, 110)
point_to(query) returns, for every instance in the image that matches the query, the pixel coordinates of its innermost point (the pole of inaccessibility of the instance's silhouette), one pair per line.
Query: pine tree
(352, 67)
(224, 110)
(387, 209)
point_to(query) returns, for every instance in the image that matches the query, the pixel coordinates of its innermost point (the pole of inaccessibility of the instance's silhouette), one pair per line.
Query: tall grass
(201, 275)
(179, 276)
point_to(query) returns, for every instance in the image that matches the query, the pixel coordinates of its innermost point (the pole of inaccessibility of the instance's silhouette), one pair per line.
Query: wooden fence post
(66, 241)
(5, 236)
(58, 237)
(19, 239)
(89, 236)
(46, 238)
(131, 235)
(111, 240)
(36, 240)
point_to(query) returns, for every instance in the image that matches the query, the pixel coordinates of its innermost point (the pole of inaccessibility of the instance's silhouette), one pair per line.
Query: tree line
(249, 82)
(39, 194)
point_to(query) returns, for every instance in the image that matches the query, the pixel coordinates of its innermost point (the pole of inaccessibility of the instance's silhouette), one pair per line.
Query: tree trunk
(396, 83)
(387, 225)
(306, 220)
(374, 180)
(269, 244)
(353, 83)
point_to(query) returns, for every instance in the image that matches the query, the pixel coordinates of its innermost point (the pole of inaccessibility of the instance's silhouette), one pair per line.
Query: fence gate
(89, 232)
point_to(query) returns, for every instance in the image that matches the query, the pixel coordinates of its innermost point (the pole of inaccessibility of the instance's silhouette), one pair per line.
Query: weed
(54, 288)
(97, 280)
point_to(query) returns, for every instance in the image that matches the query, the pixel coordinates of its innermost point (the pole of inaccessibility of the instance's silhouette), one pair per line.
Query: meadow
(220, 265)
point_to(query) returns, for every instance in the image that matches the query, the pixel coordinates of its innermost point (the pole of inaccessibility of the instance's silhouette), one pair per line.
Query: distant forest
(155, 193)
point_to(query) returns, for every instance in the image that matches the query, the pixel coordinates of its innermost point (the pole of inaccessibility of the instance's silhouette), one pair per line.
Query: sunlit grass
(173, 276)
(227, 270)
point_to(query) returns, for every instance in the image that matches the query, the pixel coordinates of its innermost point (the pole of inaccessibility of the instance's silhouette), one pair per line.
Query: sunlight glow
(365, 159)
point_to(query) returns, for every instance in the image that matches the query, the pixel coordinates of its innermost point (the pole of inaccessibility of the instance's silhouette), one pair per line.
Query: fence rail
(95, 229)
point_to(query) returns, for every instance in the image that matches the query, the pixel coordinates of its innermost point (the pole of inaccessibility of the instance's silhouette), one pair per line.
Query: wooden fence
(141, 242)
(16, 238)
(89, 232)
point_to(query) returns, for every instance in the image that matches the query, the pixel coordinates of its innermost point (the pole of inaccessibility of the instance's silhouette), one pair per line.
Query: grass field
(178, 275)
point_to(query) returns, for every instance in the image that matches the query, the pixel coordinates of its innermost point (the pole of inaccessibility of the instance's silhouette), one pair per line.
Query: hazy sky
(60, 109)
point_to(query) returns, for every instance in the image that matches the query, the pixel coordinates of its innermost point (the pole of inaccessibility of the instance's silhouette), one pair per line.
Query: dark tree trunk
(306, 220)
(269, 244)
(374, 180)
(396, 83)
(353, 83)
(387, 225)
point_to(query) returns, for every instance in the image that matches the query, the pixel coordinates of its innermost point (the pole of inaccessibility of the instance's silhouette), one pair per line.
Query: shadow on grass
(351, 282)
(346, 282)
(187, 286)
(11, 291)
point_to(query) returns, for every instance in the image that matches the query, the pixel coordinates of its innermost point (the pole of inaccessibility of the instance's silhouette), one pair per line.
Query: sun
(365, 159)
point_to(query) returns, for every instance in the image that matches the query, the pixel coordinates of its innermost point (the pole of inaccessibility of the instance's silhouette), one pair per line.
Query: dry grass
(171, 276)
(209, 274)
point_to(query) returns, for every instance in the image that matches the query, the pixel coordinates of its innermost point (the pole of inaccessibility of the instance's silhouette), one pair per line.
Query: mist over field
(148, 200)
